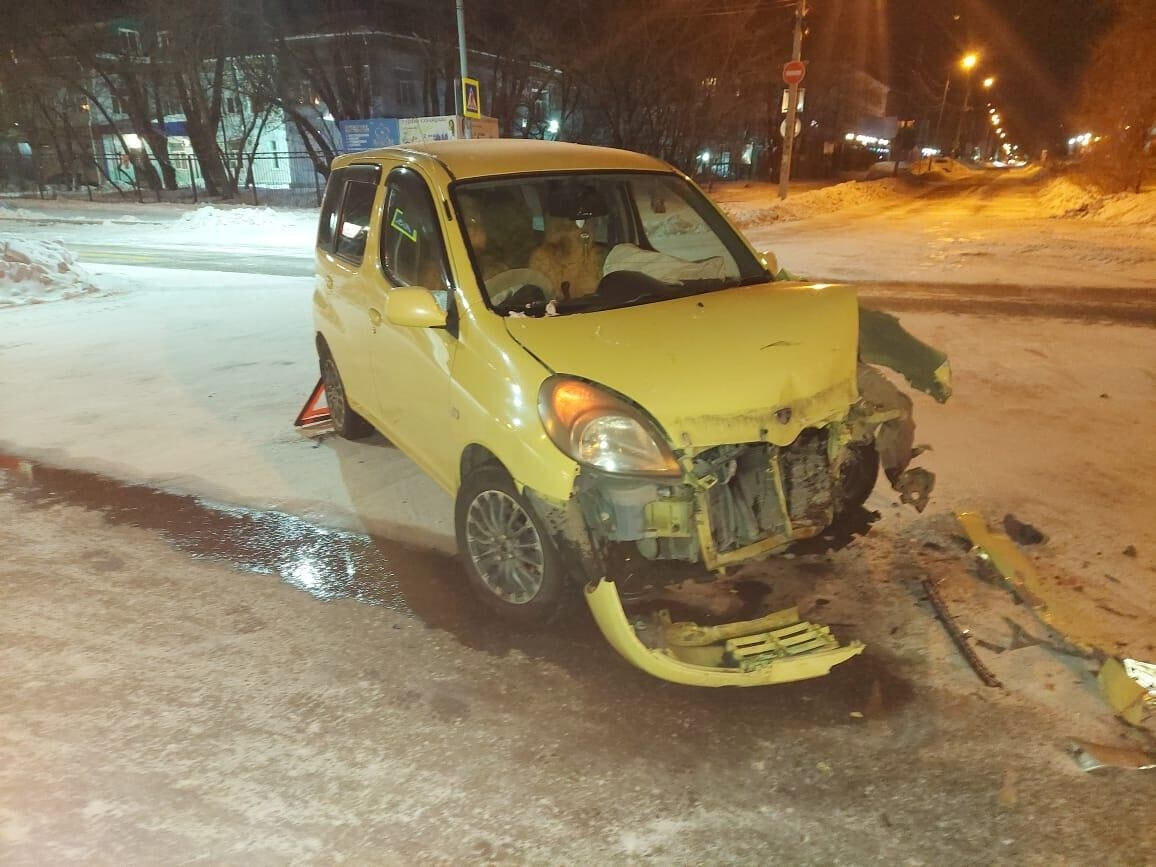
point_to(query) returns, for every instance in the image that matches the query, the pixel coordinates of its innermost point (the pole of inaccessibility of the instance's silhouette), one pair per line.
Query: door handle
(374, 316)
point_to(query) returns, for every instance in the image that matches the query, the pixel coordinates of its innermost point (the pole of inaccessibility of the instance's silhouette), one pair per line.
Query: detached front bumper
(778, 648)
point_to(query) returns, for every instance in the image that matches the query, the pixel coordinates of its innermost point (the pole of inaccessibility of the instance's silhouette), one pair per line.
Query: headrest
(575, 201)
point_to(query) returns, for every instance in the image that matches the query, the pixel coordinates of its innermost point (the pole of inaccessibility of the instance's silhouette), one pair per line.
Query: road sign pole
(461, 62)
(792, 102)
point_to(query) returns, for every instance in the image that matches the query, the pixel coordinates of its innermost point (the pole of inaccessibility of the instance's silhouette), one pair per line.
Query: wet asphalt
(499, 744)
(430, 586)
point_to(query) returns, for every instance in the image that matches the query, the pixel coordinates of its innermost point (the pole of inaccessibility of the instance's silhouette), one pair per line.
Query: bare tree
(1118, 99)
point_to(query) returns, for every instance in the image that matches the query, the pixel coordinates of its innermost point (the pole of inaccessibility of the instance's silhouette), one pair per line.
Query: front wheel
(510, 559)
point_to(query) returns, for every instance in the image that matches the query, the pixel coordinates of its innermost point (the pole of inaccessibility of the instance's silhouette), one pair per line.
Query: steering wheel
(502, 286)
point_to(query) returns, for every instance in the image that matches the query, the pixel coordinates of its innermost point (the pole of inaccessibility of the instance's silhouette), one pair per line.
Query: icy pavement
(161, 706)
(179, 687)
(192, 380)
(192, 384)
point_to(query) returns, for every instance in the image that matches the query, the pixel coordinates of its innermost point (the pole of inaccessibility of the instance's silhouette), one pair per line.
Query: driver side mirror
(769, 261)
(414, 307)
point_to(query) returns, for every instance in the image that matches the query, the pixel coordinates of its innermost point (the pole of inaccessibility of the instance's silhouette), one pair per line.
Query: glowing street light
(995, 120)
(988, 82)
(968, 62)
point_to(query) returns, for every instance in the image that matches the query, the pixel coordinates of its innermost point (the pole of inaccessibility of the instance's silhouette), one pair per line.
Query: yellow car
(577, 345)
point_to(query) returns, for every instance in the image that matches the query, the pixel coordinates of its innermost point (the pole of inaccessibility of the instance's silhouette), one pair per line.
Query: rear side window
(327, 225)
(356, 210)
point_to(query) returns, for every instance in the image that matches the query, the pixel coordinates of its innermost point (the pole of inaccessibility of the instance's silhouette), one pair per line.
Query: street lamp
(988, 82)
(967, 62)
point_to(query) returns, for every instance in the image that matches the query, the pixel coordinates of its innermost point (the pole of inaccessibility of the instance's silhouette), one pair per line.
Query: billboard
(441, 128)
(372, 132)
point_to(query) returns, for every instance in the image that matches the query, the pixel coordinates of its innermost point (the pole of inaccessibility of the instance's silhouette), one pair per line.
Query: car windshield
(555, 244)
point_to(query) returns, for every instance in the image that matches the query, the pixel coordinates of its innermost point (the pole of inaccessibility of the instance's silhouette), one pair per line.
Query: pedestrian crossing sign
(471, 98)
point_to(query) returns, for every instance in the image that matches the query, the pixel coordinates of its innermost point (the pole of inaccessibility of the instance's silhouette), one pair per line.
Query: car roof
(477, 158)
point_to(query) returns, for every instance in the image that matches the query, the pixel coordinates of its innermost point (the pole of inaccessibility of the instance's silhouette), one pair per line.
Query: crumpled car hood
(723, 367)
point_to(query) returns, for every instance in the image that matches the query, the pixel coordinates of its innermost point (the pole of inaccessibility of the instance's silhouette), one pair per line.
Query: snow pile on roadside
(247, 225)
(851, 194)
(1128, 209)
(7, 212)
(36, 271)
(1063, 197)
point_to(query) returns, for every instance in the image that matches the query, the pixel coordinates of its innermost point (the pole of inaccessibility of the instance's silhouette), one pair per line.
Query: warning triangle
(316, 410)
(472, 101)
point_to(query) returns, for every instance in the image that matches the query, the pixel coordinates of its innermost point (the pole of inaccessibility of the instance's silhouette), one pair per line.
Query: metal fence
(277, 178)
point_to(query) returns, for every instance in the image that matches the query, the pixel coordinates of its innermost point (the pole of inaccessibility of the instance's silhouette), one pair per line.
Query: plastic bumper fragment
(1016, 568)
(778, 648)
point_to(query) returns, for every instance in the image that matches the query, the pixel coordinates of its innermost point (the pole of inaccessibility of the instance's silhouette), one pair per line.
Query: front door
(411, 366)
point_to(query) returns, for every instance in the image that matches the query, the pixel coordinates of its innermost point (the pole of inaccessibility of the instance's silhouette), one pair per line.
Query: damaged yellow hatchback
(577, 345)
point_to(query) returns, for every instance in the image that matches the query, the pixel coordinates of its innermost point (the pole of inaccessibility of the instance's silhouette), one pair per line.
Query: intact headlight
(596, 428)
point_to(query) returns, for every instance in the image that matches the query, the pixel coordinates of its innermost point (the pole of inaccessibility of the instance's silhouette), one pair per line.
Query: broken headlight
(599, 429)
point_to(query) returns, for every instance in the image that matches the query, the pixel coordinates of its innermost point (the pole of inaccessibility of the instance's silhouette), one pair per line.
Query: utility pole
(461, 64)
(963, 112)
(942, 106)
(792, 103)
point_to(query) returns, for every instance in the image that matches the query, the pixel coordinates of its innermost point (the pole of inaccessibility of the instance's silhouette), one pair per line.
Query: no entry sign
(794, 71)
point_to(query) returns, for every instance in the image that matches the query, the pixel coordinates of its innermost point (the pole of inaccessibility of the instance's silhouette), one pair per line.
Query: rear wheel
(346, 420)
(509, 556)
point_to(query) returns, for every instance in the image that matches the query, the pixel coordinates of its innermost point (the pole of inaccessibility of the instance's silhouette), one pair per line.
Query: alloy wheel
(505, 547)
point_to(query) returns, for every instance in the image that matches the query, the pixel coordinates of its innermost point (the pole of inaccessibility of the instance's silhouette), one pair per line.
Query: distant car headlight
(596, 428)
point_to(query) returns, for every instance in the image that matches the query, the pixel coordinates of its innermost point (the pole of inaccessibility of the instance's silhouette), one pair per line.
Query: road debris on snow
(1129, 686)
(1022, 532)
(1092, 757)
(1016, 568)
(959, 636)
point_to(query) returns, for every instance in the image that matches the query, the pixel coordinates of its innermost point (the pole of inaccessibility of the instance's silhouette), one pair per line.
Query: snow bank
(248, 225)
(851, 194)
(7, 212)
(1128, 209)
(1063, 197)
(36, 271)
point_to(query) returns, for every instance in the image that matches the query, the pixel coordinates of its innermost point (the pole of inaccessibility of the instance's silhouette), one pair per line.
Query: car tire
(509, 557)
(346, 421)
(857, 477)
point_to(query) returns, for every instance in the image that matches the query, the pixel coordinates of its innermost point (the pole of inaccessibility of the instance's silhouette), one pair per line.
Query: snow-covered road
(184, 376)
(989, 231)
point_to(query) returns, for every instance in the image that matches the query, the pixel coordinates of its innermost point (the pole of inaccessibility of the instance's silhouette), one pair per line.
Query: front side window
(356, 210)
(575, 242)
(412, 252)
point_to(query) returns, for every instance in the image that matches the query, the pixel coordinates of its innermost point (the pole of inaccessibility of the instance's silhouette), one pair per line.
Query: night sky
(1035, 48)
